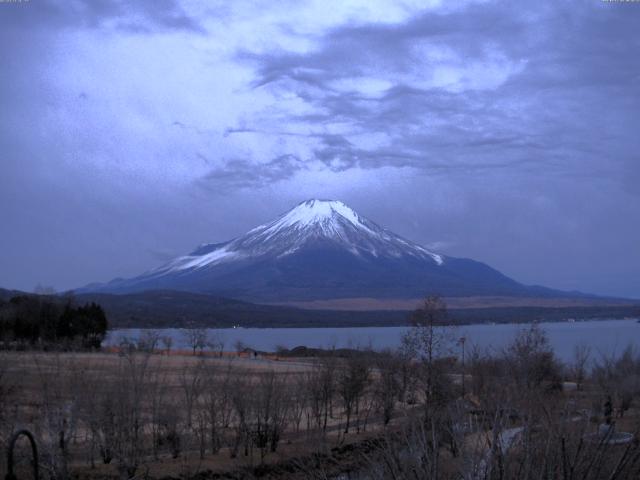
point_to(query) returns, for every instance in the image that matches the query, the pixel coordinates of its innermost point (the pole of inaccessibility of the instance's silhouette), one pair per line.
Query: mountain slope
(320, 250)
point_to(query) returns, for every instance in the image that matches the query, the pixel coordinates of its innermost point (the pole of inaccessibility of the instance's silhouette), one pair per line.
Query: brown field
(45, 385)
(141, 414)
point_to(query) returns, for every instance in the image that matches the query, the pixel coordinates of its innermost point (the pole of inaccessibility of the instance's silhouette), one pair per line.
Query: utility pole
(462, 342)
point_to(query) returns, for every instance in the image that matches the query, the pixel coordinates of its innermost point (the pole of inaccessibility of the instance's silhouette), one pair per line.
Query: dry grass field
(146, 414)
(167, 406)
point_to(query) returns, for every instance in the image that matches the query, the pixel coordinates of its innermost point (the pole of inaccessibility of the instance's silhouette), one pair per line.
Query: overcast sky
(507, 132)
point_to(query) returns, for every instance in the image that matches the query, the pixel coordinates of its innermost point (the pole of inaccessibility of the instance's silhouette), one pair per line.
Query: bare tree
(59, 385)
(531, 359)
(269, 413)
(352, 381)
(218, 405)
(578, 367)
(241, 400)
(428, 340)
(386, 385)
(196, 338)
(171, 427)
(191, 386)
(148, 341)
(167, 343)
(299, 399)
(216, 343)
(159, 403)
(321, 383)
(123, 412)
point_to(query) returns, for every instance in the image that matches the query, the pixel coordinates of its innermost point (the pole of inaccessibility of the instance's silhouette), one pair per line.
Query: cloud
(495, 84)
(142, 16)
(240, 173)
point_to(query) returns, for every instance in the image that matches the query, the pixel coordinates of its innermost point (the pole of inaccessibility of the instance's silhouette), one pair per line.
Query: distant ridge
(177, 309)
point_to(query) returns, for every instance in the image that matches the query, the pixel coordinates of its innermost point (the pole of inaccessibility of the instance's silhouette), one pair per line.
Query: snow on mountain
(330, 221)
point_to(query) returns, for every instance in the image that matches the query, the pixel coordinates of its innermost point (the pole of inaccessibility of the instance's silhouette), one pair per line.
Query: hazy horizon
(499, 131)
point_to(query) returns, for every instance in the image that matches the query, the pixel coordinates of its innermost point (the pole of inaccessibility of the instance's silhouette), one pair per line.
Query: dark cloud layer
(572, 102)
(240, 173)
(503, 131)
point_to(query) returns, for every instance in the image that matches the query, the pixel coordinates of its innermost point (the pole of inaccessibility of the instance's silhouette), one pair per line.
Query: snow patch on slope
(217, 256)
(189, 262)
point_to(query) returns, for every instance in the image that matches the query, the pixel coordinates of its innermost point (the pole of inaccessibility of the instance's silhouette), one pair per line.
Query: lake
(603, 336)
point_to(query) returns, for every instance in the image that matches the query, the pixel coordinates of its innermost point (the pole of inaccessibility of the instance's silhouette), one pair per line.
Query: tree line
(51, 322)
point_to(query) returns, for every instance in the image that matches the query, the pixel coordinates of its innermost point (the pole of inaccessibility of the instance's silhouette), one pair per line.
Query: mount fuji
(322, 250)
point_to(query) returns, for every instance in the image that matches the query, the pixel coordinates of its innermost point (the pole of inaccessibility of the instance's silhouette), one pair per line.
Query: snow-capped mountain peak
(317, 211)
(320, 249)
(330, 223)
(326, 214)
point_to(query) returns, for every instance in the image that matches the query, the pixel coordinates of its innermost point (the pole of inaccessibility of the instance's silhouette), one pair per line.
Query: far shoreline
(362, 319)
(405, 325)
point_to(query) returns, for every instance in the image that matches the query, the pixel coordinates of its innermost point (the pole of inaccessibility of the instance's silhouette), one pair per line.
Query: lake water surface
(605, 337)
